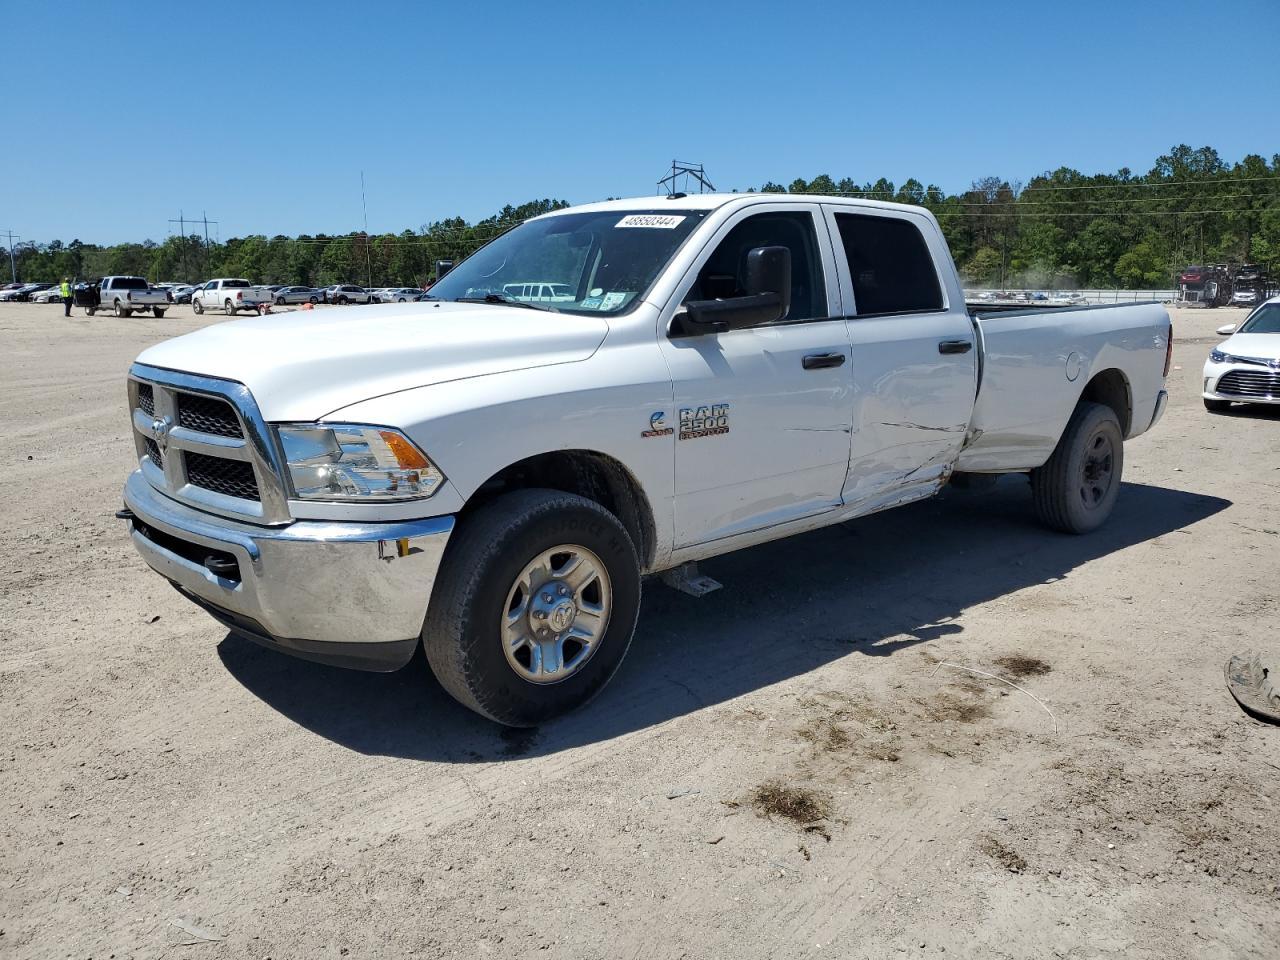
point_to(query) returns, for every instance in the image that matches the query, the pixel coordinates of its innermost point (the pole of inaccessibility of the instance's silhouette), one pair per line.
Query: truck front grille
(202, 441)
(153, 453)
(207, 415)
(231, 477)
(1250, 385)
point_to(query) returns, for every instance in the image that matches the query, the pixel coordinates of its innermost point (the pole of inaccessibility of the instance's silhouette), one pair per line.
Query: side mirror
(768, 296)
(1226, 330)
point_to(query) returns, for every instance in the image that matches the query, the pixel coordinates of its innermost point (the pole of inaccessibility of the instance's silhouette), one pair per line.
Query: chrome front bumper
(350, 593)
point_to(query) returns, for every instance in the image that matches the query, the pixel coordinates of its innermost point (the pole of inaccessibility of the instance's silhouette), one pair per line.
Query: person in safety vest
(65, 292)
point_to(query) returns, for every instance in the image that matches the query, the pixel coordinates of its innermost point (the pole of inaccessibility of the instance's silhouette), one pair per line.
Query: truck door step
(686, 579)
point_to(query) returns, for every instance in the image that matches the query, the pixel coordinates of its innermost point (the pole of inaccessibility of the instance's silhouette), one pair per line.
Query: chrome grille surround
(160, 429)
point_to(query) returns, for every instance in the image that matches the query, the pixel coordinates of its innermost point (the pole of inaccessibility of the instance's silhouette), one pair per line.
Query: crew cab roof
(713, 201)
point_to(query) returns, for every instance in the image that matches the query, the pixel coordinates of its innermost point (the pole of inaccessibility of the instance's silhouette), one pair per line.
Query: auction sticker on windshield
(654, 221)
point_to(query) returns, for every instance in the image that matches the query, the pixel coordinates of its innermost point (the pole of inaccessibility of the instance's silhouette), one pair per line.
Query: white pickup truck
(492, 477)
(126, 295)
(230, 295)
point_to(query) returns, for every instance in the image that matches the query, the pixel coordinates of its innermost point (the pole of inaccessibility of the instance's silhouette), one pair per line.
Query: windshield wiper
(506, 301)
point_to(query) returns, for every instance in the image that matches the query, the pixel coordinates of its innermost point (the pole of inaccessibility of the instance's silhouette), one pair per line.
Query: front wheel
(1077, 487)
(89, 310)
(197, 306)
(1217, 406)
(534, 607)
(315, 300)
(342, 301)
(279, 301)
(228, 309)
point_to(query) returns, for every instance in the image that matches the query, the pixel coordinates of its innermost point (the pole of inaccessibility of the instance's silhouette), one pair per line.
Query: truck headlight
(1217, 356)
(350, 461)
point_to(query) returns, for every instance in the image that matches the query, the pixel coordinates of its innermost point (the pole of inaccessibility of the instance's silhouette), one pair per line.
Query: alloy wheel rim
(1097, 471)
(556, 614)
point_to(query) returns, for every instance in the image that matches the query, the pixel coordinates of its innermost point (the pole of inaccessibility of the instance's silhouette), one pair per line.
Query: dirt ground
(795, 766)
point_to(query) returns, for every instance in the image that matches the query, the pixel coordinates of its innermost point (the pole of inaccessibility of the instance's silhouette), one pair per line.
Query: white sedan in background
(397, 295)
(1246, 367)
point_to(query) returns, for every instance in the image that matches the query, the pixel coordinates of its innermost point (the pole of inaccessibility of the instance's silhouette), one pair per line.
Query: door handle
(818, 361)
(955, 346)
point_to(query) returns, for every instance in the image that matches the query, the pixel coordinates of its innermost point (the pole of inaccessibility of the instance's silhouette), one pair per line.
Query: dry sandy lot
(156, 771)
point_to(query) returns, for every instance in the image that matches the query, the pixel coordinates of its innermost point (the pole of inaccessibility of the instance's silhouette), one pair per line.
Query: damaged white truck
(491, 477)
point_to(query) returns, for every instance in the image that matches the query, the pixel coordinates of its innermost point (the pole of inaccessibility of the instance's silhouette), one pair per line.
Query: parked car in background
(48, 295)
(297, 295)
(1246, 367)
(344, 293)
(230, 295)
(21, 292)
(398, 295)
(540, 292)
(1068, 298)
(125, 296)
(181, 292)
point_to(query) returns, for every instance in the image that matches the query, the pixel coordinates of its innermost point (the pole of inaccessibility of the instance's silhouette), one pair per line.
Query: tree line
(1061, 229)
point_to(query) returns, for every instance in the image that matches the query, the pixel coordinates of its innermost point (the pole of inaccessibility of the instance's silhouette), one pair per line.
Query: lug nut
(540, 614)
(564, 591)
(546, 598)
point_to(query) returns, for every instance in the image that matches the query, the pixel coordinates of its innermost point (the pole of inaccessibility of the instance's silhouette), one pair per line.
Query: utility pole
(368, 255)
(13, 266)
(182, 241)
(181, 221)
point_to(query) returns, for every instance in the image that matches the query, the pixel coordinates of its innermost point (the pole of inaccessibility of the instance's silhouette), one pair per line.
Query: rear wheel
(342, 301)
(118, 309)
(228, 309)
(89, 310)
(1076, 490)
(158, 311)
(315, 300)
(1216, 406)
(279, 301)
(534, 608)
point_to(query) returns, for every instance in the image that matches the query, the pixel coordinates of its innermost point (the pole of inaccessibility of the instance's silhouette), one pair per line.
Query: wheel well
(595, 476)
(1111, 389)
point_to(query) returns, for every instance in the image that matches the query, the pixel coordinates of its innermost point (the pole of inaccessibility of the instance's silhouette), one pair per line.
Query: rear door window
(890, 265)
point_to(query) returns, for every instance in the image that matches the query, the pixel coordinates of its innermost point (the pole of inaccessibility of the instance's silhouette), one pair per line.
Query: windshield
(599, 262)
(1266, 319)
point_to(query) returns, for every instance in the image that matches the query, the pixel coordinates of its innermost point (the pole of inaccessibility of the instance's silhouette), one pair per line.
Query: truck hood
(305, 364)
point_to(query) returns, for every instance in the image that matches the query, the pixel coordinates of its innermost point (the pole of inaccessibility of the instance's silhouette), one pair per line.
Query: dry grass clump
(798, 804)
(1017, 665)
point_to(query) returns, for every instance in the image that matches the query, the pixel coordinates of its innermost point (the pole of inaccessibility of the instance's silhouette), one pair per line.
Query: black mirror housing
(768, 296)
(769, 271)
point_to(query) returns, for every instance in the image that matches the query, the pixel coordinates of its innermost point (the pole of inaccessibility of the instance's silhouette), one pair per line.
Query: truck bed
(1034, 363)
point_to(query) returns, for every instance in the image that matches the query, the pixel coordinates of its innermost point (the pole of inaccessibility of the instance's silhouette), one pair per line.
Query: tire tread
(1050, 483)
(475, 544)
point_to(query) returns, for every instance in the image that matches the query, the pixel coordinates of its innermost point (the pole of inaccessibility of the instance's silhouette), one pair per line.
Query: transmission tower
(690, 172)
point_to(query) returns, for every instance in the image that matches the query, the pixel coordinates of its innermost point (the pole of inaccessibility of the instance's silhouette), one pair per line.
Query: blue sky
(264, 114)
